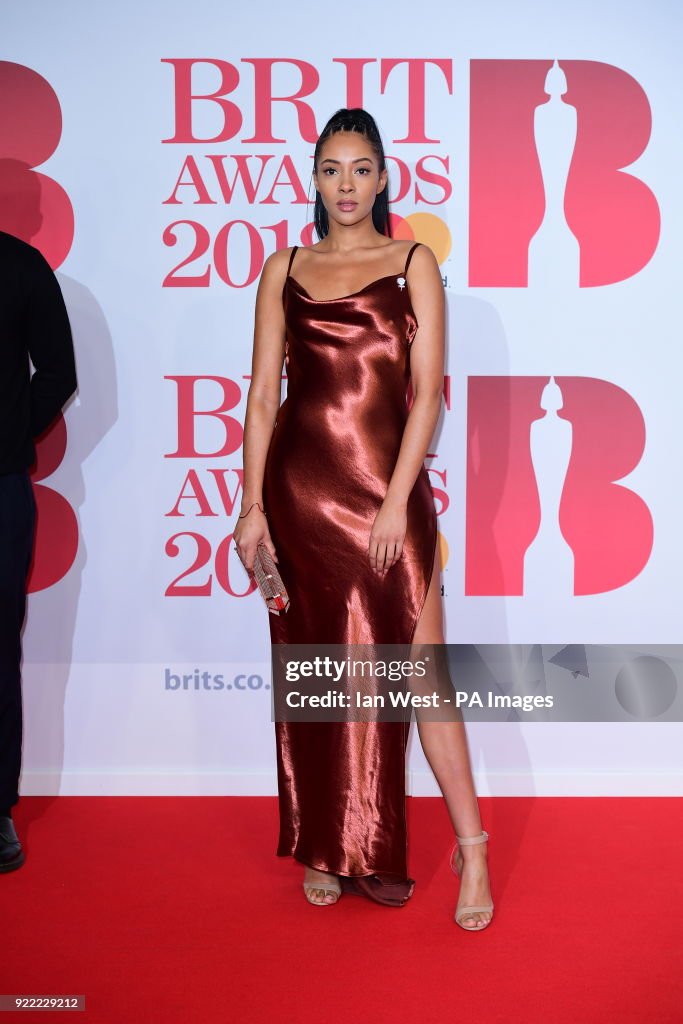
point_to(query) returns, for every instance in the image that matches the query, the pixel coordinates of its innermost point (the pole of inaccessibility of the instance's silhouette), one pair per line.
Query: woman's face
(348, 177)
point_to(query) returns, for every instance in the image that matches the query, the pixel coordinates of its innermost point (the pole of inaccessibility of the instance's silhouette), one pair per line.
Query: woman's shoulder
(419, 253)
(276, 265)
(423, 274)
(279, 258)
(400, 246)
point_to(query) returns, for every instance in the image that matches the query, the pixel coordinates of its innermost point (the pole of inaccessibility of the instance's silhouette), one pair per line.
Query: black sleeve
(50, 345)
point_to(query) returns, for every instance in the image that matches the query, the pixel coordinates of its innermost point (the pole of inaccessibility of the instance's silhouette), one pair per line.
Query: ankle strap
(472, 840)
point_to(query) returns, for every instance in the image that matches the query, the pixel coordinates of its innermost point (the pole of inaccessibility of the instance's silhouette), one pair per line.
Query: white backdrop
(106, 644)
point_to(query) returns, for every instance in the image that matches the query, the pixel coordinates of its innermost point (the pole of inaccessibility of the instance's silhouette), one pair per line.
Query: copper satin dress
(332, 453)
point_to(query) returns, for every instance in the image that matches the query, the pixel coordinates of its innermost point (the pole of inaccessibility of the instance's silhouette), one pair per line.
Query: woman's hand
(249, 532)
(387, 536)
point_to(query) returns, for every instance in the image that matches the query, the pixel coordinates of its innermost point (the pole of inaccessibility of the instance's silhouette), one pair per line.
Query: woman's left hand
(387, 536)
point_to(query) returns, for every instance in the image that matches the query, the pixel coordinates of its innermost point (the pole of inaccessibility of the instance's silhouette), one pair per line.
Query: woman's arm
(263, 402)
(427, 370)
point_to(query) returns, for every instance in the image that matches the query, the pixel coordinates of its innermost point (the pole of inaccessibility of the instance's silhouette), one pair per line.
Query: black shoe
(11, 854)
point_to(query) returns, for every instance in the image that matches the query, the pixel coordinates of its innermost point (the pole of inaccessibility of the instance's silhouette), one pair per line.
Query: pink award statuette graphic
(549, 140)
(544, 461)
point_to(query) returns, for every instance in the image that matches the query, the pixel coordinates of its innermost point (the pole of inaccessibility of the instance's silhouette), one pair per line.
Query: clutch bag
(269, 581)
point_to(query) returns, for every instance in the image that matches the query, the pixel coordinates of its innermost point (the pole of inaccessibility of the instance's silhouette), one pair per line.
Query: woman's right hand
(250, 531)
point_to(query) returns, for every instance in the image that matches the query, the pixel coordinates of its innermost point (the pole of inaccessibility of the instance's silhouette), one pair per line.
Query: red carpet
(177, 909)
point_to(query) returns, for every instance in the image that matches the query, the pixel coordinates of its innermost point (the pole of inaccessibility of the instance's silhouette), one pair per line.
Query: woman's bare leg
(447, 752)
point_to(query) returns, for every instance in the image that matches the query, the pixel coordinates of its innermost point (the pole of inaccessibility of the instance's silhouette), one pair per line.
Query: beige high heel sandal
(327, 887)
(461, 912)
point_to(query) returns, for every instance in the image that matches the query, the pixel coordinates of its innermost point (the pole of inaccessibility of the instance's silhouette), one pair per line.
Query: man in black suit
(34, 325)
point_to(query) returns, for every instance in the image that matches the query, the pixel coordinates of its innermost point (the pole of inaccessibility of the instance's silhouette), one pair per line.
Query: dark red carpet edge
(170, 909)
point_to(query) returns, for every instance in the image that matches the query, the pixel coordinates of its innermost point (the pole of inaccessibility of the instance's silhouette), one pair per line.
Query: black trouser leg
(17, 524)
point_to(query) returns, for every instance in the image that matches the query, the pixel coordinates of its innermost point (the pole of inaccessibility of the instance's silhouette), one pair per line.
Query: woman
(336, 488)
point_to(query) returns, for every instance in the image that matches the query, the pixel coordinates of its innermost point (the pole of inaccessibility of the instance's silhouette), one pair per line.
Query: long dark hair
(353, 120)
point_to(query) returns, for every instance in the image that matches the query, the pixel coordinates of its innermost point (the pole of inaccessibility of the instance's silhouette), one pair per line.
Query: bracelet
(250, 508)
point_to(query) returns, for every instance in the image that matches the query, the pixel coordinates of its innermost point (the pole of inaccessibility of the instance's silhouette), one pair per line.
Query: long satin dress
(333, 450)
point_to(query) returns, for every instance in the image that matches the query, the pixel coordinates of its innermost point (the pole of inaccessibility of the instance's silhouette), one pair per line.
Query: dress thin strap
(410, 256)
(291, 257)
